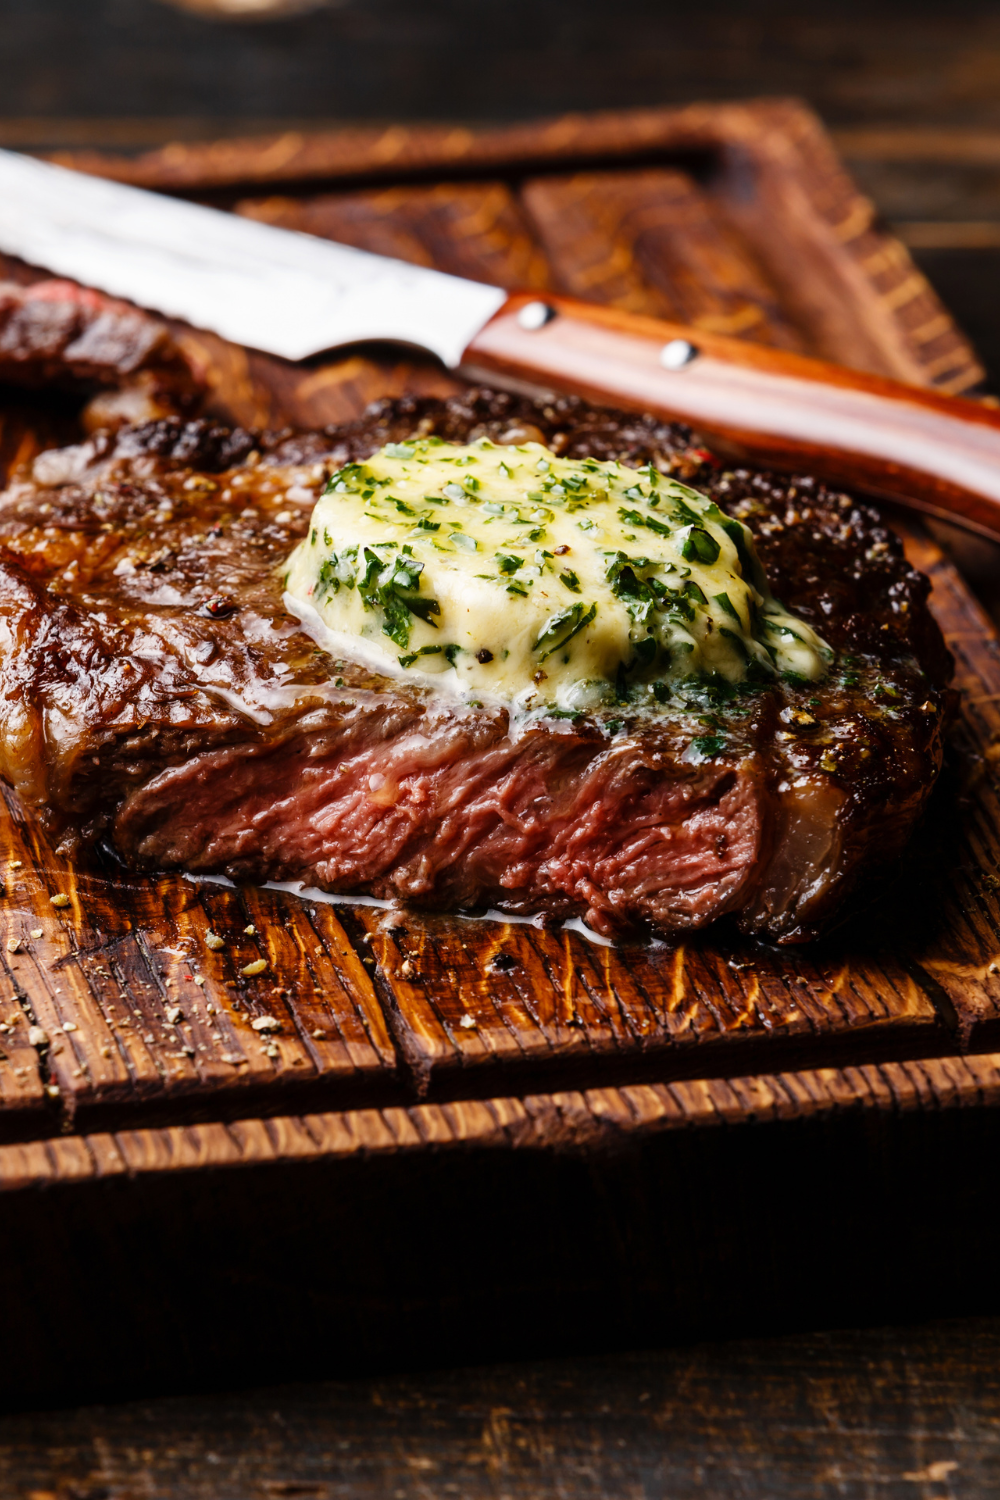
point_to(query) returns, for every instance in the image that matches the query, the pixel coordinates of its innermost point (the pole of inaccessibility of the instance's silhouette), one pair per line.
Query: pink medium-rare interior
(607, 833)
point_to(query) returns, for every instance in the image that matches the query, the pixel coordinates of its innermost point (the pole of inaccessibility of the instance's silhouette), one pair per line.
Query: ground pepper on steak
(154, 690)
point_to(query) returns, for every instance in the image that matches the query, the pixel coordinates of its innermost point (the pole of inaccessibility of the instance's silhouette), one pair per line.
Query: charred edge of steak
(170, 444)
(566, 424)
(133, 581)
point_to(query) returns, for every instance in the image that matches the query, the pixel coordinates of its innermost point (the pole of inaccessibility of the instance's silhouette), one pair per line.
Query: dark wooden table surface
(898, 1413)
(910, 91)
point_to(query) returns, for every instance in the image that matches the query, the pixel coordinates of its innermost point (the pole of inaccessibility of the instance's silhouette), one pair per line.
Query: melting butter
(511, 574)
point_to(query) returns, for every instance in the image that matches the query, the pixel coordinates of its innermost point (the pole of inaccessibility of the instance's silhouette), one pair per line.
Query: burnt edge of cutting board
(570, 1120)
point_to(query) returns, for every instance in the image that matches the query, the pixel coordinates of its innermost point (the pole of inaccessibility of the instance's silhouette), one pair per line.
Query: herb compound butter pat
(509, 573)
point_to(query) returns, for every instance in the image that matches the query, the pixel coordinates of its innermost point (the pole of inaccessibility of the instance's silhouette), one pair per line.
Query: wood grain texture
(336, 1243)
(115, 996)
(836, 1416)
(477, 230)
(864, 302)
(763, 172)
(653, 241)
(962, 953)
(560, 1007)
(870, 64)
(574, 1120)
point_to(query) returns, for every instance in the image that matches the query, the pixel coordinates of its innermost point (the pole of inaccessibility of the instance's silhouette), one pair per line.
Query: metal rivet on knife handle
(535, 315)
(676, 354)
(931, 451)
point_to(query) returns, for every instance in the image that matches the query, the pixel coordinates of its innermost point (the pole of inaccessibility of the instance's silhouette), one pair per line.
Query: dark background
(857, 62)
(911, 92)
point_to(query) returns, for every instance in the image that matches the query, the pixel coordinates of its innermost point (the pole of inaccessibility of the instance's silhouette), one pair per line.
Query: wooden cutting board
(431, 1107)
(735, 218)
(118, 1015)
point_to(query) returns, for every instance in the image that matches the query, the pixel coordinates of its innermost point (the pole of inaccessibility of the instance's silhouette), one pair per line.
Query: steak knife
(295, 295)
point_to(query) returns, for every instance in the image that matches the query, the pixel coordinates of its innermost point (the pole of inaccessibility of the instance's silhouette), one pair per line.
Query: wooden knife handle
(935, 453)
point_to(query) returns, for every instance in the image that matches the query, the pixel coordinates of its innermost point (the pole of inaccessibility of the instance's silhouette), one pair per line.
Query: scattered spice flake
(257, 967)
(59, 900)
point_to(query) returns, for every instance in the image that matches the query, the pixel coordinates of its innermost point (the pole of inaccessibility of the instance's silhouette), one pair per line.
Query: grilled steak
(155, 692)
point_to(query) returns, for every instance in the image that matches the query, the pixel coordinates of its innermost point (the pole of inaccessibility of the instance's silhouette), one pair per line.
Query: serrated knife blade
(295, 295)
(273, 289)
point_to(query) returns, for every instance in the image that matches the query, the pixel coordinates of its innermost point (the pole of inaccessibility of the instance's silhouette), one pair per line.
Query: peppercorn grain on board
(137, 1051)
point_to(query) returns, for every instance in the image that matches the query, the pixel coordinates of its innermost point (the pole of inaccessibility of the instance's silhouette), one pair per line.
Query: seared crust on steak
(154, 690)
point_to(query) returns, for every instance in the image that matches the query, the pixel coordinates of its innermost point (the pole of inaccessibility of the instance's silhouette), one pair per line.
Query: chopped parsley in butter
(511, 574)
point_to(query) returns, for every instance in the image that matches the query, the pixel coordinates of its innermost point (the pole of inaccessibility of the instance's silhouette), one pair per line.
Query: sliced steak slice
(56, 333)
(154, 690)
